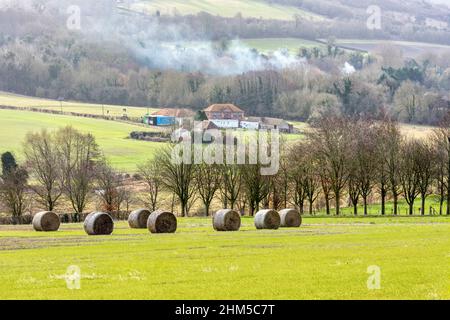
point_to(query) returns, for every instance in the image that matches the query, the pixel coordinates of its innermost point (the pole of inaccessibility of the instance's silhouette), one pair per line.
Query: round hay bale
(138, 218)
(267, 219)
(226, 220)
(98, 223)
(46, 221)
(162, 222)
(290, 218)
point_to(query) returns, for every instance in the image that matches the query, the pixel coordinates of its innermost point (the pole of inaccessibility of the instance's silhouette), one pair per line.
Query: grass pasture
(8, 99)
(267, 45)
(224, 8)
(112, 136)
(409, 49)
(327, 258)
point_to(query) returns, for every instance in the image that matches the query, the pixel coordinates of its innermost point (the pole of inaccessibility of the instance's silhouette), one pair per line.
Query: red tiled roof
(178, 113)
(222, 108)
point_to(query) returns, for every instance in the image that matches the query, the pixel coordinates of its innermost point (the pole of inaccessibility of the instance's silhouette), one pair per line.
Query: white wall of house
(226, 123)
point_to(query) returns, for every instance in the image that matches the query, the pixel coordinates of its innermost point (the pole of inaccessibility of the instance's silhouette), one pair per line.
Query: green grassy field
(327, 258)
(409, 49)
(14, 100)
(267, 45)
(125, 154)
(224, 8)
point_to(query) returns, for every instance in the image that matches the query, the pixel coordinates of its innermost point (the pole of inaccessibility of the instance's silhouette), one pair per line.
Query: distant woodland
(40, 57)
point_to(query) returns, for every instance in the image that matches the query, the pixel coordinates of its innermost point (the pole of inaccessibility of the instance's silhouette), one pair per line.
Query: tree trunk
(355, 209)
(411, 208)
(422, 205)
(448, 200)
(365, 205)
(338, 204)
(395, 204)
(301, 206)
(383, 202)
(327, 205)
(310, 208)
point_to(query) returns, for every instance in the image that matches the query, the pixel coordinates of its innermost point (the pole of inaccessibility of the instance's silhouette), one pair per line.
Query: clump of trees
(64, 165)
(13, 187)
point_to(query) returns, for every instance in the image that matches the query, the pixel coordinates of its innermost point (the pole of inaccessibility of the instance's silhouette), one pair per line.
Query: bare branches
(42, 157)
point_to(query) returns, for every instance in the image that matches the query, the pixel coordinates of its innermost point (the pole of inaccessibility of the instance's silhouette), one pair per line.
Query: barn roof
(218, 107)
(269, 121)
(206, 125)
(172, 112)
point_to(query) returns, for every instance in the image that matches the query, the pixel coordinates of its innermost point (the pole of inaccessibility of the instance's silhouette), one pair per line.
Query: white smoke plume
(160, 46)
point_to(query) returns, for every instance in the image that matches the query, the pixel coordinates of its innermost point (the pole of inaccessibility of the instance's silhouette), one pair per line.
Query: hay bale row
(46, 221)
(271, 219)
(226, 220)
(160, 221)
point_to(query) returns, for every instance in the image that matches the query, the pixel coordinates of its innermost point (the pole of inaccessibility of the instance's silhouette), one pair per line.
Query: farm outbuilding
(272, 123)
(159, 120)
(177, 116)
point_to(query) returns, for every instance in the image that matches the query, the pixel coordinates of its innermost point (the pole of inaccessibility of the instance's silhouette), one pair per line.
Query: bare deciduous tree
(207, 180)
(230, 184)
(151, 174)
(108, 186)
(331, 139)
(42, 157)
(177, 177)
(77, 155)
(425, 166)
(257, 186)
(441, 146)
(390, 142)
(365, 154)
(408, 173)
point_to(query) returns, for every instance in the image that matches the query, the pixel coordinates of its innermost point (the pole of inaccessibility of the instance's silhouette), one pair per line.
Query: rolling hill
(224, 8)
(123, 153)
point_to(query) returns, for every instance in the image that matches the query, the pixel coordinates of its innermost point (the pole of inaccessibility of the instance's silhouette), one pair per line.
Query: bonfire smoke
(158, 45)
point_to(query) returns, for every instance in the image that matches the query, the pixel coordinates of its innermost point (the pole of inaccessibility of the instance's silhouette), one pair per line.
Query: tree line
(340, 162)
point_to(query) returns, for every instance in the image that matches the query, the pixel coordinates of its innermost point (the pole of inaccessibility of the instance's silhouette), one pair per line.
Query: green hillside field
(112, 136)
(9, 99)
(224, 8)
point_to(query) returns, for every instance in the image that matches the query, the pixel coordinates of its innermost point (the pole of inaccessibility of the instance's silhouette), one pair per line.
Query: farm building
(272, 123)
(176, 113)
(169, 116)
(226, 123)
(224, 112)
(159, 120)
(206, 125)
